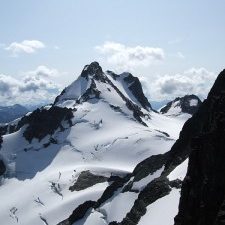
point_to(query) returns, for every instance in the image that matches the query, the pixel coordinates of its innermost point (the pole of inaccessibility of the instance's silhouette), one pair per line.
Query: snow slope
(109, 134)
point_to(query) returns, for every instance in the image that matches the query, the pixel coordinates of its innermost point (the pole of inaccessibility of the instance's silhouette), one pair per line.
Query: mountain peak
(93, 69)
(132, 85)
(186, 104)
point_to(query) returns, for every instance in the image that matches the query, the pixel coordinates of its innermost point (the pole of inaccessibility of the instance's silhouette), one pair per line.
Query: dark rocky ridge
(2, 167)
(184, 103)
(95, 70)
(78, 213)
(134, 85)
(203, 189)
(41, 122)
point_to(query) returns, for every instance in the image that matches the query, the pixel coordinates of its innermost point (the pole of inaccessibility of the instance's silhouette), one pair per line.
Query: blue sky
(180, 43)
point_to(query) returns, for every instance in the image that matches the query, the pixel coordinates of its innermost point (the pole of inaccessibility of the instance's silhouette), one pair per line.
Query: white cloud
(34, 87)
(193, 81)
(127, 58)
(26, 46)
(43, 71)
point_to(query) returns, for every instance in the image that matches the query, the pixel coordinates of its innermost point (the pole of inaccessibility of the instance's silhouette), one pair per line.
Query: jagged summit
(94, 69)
(187, 104)
(92, 75)
(123, 92)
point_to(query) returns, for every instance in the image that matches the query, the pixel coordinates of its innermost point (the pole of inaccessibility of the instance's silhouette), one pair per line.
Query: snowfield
(105, 139)
(162, 211)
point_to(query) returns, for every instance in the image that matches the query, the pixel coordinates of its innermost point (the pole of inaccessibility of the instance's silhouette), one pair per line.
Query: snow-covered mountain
(9, 113)
(99, 155)
(187, 104)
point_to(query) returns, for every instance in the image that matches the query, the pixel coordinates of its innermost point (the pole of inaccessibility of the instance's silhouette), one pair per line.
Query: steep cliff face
(203, 189)
(132, 86)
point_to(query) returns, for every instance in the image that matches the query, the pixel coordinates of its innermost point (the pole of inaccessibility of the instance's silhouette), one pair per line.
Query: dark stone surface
(176, 184)
(184, 103)
(86, 179)
(149, 166)
(203, 189)
(42, 122)
(220, 219)
(3, 129)
(2, 168)
(137, 113)
(95, 70)
(135, 87)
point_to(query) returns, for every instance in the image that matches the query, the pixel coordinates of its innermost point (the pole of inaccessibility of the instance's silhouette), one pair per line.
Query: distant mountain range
(9, 113)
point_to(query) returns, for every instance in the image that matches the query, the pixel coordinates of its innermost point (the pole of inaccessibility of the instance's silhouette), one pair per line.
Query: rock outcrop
(203, 189)
(187, 104)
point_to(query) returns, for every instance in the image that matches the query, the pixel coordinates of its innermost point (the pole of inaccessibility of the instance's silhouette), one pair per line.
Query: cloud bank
(34, 87)
(193, 81)
(26, 46)
(128, 58)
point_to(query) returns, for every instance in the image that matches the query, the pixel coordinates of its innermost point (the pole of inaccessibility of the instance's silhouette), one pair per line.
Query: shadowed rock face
(42, 122)
(94, 69)
(203, 189)
(135, 87)
(2, 168)
(184, 103)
